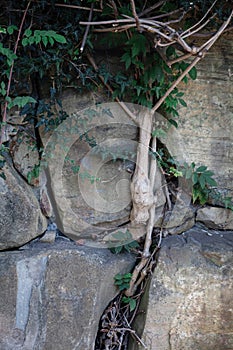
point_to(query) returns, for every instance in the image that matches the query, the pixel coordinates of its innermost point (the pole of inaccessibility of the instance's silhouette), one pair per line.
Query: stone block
(21, 219)
(52, 295)
(190, 303)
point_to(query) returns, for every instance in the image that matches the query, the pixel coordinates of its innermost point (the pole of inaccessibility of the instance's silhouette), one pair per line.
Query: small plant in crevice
(129, 301)
(129, 244)
(202, 180)
(34, 173)
(122, 280)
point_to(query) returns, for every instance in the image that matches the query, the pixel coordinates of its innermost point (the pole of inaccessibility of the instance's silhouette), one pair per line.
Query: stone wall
(52, 295)
(205, 134)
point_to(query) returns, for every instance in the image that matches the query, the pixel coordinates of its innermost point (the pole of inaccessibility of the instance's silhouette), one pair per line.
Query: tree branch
(135, 15)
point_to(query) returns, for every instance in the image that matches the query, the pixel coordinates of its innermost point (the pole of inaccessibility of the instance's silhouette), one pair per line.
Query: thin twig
(163, 98)
(202, 51)
(138, 268)
(160, 237)
(116, 29)
(78, 7)
(135, 15)
(4, 117)
(178, 59)
(151, 8)
(113, 22)
(201, 20)
(212, 40)
(114, 8)
(197, 29)
(87, 29)
(167, 14)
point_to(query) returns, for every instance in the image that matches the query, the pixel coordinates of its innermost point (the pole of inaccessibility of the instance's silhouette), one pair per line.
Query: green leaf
(127, 275)
(158, 73)
(124, 286)
(116, 250)
(33, 39)
(3, 89)
(8, 99)
(193, 73)
(51, 41)
(29, 177)
(173, 122)
(188, 173)
(202, 181)
(132, 304)
(182, 102)
(21, 101)
(137, 44)
(2, 30)
(59, 38)
(11, 29)
(194, 178)
(3, 176)
(180, 94)
(118, 277)
(201, 168)
(195, 194)
(45, 40)
(175, 172)
(25, 42)
(211, 181)
(183, 65)
(28, 32)
(170, 51)
(128, 300)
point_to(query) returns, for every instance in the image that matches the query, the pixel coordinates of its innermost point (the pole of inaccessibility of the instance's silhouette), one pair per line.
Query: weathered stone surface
(52, 295)
(15, 121)
(205, 133)
(190, 303)
(25, 155)
(89, 179)
(202, 137)
(21, 219)
(216, 218)
(181, 218)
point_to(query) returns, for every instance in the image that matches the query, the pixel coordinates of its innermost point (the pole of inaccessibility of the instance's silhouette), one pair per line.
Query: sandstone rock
(181, 217)
(89, 181)
(48, 237)
(25, 155)
(21, 219)
(205, 132)
(216, 218)
(190, 295)
(45, 202)
(52, 296)
(14, 122)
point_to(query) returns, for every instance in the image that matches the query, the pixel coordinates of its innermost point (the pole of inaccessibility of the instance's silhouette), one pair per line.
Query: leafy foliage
(122, 280)
(34, 173)
(131, 301)
(202, 180)
(42, 36)
(123, 237)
